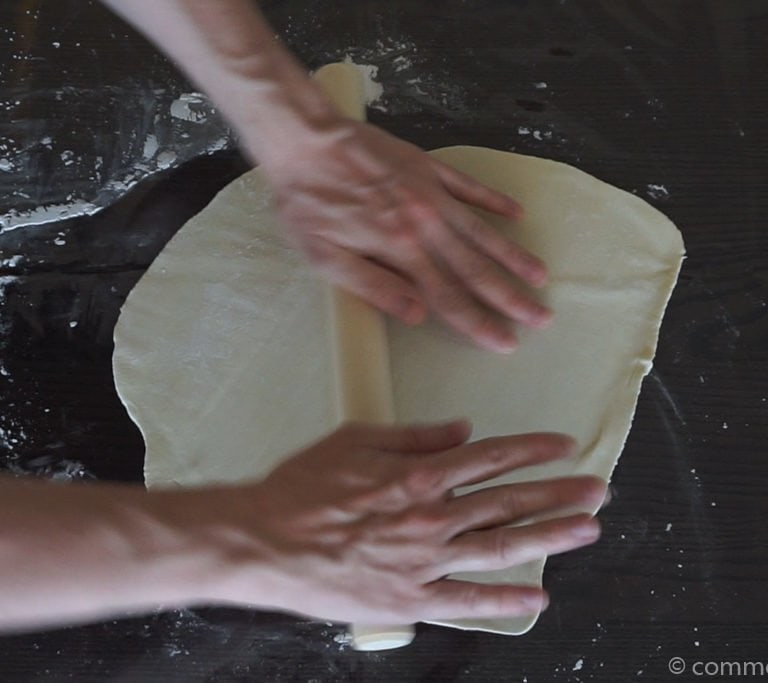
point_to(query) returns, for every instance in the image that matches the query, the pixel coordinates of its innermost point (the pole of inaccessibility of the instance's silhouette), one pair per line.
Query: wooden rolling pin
(363, 380)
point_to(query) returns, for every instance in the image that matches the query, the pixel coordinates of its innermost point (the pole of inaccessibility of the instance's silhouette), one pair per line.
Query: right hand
(382, 219)
(362, 526)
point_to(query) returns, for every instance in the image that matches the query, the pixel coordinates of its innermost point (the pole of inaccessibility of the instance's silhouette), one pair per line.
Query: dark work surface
(664, 98)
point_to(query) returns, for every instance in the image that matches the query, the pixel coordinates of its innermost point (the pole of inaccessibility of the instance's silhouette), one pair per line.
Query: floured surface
(223, 354)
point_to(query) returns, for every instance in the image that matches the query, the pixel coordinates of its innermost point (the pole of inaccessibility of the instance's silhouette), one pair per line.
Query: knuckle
(423, 210)
(402, 234)
(420, 562)
(425, 522)
(474, 598)
(494, 451)
(501, 548)
(411, 438)
(423, 482)
(510, 505)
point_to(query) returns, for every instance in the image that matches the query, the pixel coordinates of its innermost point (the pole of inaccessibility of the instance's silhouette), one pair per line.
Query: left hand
(363, 526)
(382, 219)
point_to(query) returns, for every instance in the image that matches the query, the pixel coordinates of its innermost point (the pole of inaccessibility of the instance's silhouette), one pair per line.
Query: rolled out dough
(223, 352)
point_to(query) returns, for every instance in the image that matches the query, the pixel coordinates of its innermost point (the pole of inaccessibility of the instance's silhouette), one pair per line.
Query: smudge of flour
(191, 106)
(41, 215)
(145, 131)
(150, 146)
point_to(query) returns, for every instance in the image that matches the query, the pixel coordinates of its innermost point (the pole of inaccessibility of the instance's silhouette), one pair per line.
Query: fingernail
(538, 275)
(588, 530)
(503, 345)
(537, 602)
(544, 317)
(516, 210)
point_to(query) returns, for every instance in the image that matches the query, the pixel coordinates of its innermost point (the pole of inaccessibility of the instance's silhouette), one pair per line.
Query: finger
(488, 458)
(451, 599)
(496, 245)
(379, 286)
(504, 547)
(450, 300)
(465, 314)
(501, 505)
(466, 189)
(480, 275)
(412, 438)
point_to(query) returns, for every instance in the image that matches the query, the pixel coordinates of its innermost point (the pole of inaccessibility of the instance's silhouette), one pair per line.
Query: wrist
(154, 554)
(72, 552)
(281, 124)
(203, 542)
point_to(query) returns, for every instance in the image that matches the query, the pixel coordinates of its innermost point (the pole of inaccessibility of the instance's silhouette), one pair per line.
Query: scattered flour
(658, 192)
(369, 72)
(540, 135)
(343, 639)
(11, 262)
(402, 62)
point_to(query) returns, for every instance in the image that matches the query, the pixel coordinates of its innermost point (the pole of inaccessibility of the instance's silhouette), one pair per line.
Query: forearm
(74, 552)
(230, 51)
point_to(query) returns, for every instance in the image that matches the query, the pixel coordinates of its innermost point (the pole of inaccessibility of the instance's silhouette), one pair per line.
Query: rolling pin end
(388, 637)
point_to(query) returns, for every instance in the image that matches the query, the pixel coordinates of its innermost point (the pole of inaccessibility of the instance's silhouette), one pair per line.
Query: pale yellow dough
(224, 355)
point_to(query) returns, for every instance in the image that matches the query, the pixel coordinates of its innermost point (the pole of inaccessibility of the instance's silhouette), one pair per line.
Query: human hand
(384, 220)
(362, 526)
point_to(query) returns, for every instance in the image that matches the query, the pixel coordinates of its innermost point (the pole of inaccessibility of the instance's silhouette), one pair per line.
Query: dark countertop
(665, 98)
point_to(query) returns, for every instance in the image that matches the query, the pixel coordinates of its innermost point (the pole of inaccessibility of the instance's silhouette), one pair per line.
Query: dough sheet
(224, 355)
